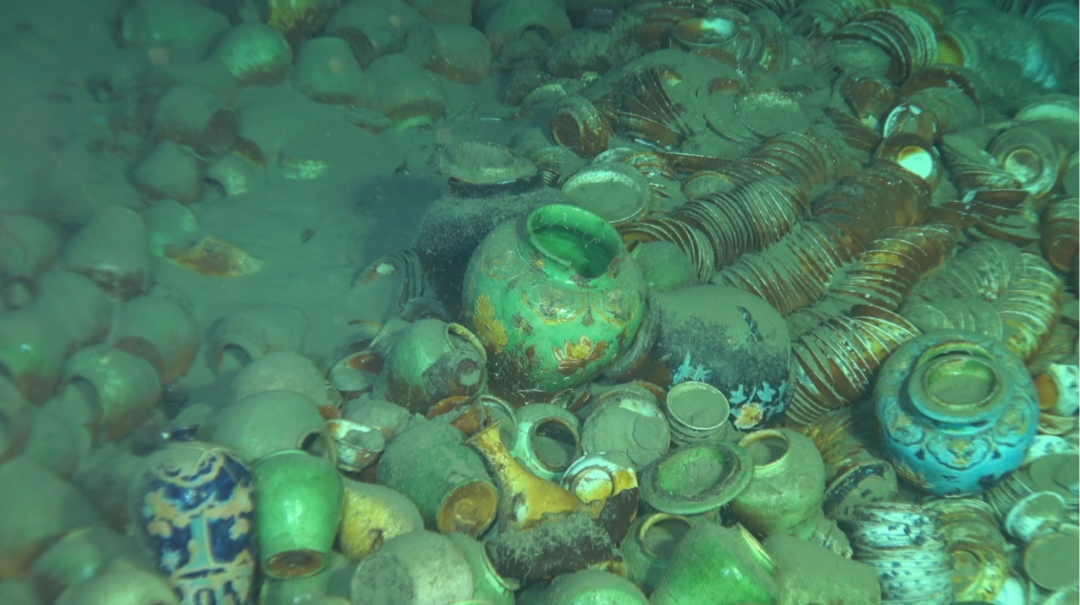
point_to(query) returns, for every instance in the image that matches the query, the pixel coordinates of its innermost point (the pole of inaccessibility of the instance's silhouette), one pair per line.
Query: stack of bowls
(905, 545)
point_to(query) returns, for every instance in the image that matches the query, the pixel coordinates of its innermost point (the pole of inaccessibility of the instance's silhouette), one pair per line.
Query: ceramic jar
(301, 498)
(730, 339)
(430, 360)
(430, 464)
(193, 507)
(554, 299)
(487, 185)
(787, 487)
(720, 565)
(957, 411)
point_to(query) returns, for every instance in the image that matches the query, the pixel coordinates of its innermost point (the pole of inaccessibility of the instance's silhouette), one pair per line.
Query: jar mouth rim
(593, 228)
(953, 360)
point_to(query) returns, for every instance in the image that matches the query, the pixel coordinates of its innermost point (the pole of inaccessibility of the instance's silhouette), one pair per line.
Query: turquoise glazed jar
(554, 298)
(957, 411)
(193, 508)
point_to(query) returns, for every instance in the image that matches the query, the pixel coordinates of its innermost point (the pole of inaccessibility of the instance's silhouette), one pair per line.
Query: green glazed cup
(554, 298)
(300, 501)
(719, 566)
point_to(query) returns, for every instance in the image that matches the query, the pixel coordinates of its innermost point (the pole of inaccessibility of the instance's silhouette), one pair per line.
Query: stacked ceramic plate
(903, 542)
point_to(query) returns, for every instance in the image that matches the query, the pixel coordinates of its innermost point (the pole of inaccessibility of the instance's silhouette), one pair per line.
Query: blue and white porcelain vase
(957, 411)
(193, 507)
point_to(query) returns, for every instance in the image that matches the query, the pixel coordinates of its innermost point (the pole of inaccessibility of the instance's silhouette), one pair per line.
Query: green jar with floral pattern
(555, 298)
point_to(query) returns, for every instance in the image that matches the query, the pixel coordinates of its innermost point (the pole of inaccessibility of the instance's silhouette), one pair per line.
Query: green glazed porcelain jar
(554, 298)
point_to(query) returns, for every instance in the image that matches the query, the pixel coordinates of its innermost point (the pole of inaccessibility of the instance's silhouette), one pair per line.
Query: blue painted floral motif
(690, 372)
(194, 510)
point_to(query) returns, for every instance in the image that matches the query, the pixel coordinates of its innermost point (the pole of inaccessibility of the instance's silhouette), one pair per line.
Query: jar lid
(481, 163)
(697, 479)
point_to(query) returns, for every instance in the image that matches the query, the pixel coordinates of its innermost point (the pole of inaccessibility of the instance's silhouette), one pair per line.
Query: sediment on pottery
(32, 352)
(457, 52)
(83, 324)
(517, 18)
(191, 114)
(327, 72)
(408, 94)
(231, 175)
(697, 412)
(297, 21)
(160, 331)
(300, 509)
(614, 190)
(80, 556)
(617, 424)
(170, 171)
(255, 54)
(372, 515)
(425, 564)
(799, 575)
(696, 479)
(105, 475)
(548, 439)
(170, 223)
(151, 24)
(285, 371)
(110, 390)
(272, 421)
(237, 339)
(29, 246)
(787, 488)
(191, 502)
(431, 360)
(373, 29)
(137, 587)
(16, 420)
(112, 250)
(36, 507)
(390, 418)
(264, 129)
(56, 440)
(603, 586)
(741, 346)
(458, 12)
(431, 465)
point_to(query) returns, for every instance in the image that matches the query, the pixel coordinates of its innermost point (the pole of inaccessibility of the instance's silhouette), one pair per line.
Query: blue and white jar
(957, 411)
(730, 339)
(193, 508)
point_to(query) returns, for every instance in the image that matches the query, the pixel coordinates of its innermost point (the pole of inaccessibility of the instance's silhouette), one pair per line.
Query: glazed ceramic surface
(553, 298)
(194, 506)
(957, 411)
